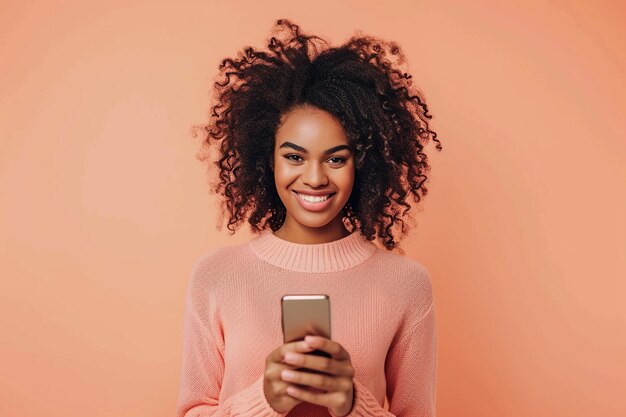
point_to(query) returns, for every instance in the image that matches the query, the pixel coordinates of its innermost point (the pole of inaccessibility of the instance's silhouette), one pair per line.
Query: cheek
(284, 174)
(279, 170)
(346, 179)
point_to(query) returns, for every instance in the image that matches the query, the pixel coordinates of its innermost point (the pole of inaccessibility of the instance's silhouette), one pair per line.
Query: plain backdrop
(105, 208)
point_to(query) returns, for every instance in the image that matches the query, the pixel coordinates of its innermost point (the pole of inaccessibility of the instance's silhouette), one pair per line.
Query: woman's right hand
(274, 386)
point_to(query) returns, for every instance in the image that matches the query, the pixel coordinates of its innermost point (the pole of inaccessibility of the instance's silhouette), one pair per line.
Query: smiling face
(312, 156)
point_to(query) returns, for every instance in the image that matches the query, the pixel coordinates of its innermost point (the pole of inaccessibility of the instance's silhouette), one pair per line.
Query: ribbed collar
(337, 255)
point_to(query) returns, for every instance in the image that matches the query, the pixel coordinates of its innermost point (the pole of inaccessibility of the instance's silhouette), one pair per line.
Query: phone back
(305, 314)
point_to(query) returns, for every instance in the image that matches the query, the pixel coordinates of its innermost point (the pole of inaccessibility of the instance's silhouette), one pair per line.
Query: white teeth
(312, 199)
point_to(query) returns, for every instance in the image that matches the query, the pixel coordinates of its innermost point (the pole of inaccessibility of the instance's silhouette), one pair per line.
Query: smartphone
(306, 315)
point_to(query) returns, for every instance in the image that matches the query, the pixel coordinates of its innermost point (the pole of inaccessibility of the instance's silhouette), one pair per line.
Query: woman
(319, 150)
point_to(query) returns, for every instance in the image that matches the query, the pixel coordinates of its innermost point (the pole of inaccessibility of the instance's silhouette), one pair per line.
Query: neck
(298, 233)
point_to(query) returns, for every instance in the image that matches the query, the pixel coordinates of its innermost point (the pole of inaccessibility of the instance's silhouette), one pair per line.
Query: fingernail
(310, 340)
(291, 357)
(287, 374)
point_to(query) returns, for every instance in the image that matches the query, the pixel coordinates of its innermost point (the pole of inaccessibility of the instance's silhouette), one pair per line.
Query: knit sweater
(382, 313)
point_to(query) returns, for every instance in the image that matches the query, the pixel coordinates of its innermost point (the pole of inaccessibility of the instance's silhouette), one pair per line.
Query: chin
(315, 220)
(314, 223)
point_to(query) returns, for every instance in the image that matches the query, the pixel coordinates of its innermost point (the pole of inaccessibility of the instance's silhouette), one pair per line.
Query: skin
(316, 131)
(333, 388)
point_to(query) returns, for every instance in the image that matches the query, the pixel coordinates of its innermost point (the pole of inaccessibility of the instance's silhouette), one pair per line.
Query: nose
(314, 175)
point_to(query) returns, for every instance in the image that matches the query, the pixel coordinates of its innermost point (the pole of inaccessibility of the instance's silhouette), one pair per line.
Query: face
(312, 156)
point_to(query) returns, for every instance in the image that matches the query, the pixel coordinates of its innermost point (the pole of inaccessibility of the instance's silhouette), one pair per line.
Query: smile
(314, 203)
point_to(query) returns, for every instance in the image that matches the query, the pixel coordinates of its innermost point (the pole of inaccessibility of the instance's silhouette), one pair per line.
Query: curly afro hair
(384, 117)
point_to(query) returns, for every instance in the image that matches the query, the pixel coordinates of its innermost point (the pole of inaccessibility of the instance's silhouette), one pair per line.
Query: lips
(314, 206)
(315, 195)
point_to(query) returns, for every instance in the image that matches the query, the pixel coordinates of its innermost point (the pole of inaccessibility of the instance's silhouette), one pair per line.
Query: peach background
(104, 207)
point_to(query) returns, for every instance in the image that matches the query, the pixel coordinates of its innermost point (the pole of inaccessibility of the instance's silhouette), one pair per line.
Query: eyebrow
(326, 152)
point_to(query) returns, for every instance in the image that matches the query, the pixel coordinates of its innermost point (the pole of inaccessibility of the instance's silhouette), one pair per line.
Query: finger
(311, 396)
(297, 346)
(324, 383)
(316, 363)
(327, 345)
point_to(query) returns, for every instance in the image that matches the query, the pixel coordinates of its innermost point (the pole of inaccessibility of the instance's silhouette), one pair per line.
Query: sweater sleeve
(411, 370)
(202, 367)
(411, 376)
(364, 403)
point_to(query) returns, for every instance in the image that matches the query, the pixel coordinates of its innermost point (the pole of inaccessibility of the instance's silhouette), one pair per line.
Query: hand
(274, 387)
(334, 387)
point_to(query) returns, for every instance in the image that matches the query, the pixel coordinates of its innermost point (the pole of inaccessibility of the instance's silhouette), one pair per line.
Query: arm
(411, 363)
(411, 368)
(202, 368)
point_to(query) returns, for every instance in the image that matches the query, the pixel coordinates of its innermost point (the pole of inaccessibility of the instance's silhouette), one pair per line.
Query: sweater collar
(334, 256)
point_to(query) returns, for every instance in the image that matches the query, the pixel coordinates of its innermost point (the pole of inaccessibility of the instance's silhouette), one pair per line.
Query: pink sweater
(382, 313)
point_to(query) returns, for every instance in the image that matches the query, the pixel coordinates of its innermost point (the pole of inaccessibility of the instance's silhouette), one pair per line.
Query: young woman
(319, 150)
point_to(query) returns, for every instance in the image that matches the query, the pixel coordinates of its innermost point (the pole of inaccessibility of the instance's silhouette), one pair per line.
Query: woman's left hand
(335, 390)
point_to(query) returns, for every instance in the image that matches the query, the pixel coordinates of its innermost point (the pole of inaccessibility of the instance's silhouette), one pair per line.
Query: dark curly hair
(384, 117)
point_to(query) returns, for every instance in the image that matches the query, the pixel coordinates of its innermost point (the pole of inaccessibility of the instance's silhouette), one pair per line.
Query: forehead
(312, 128)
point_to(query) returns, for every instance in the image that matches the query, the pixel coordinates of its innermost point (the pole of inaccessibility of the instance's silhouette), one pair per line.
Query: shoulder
(209, 270)
(405, 270)
(410, 280)
(211, 259)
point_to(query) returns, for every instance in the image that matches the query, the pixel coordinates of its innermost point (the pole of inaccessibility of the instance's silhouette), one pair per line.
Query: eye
(341, 160)
(296, 158)
(289, 157)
